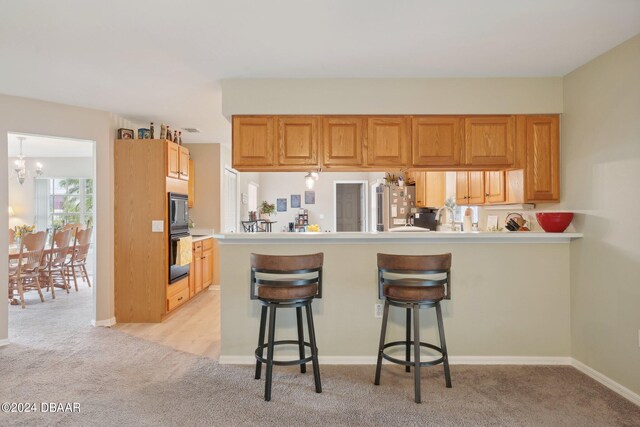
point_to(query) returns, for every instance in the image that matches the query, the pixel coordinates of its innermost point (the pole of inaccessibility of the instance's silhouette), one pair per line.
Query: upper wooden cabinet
(387, 142)
(490, 141)
(542, 158)
(183, 162)
(253, 141)
(430, 189)
(173, 160)
(494, 188)
(470, 188)
(298, 141)
(436, 141)
(343, 141)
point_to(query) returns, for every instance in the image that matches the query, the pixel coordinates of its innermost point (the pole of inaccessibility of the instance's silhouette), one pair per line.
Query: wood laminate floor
(193, 328)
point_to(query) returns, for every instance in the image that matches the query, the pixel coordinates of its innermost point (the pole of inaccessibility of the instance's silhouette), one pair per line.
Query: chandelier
(20, 165)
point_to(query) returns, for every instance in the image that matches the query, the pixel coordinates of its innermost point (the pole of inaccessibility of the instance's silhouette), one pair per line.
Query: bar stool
(286, 282)
(408, 288)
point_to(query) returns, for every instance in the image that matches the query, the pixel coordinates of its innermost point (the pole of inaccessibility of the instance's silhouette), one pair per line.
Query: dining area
(46, 260)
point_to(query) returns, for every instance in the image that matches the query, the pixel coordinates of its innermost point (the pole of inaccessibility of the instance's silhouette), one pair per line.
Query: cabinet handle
(486, 194)
(180, 299)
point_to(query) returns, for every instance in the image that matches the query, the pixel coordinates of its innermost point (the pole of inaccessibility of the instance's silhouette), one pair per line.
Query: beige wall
(392, 96)
(600, 177)
(21, 115)
(206, 209)
(508, 299)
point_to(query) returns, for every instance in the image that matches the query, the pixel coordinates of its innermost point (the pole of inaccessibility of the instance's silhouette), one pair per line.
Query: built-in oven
(176, 272)
(178, 213)
(178, 228)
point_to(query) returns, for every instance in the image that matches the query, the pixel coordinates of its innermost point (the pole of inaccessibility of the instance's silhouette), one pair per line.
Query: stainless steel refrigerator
(393, 206)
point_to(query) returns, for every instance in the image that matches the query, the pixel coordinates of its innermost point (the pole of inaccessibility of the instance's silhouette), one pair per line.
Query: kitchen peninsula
(510, 293)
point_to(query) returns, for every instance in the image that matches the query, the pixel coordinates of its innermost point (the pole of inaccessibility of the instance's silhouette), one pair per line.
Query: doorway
(350, 205)
(51, 189)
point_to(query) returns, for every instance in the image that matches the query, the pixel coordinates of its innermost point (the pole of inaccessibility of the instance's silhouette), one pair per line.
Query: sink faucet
(451, 217)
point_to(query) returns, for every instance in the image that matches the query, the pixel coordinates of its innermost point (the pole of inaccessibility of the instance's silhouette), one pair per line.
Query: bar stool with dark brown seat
(408, 281)
(286, 282)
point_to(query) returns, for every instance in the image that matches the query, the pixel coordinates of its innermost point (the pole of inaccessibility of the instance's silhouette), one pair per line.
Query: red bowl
(554, 222)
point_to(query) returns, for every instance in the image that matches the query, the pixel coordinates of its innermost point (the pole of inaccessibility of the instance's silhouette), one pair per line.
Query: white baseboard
(104, 323)
(607, 382)
(454, 360)
(4, 342)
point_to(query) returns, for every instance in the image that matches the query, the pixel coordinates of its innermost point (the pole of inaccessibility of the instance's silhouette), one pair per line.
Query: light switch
(157, 226)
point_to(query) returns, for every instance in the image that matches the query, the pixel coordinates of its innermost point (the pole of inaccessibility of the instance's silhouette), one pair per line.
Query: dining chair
(53, 262)
(77, 264)
(24, 276)
(73, 226)
(12, 236)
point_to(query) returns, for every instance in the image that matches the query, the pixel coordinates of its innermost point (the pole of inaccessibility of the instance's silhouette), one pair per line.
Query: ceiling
(162, 60)
(45, 146)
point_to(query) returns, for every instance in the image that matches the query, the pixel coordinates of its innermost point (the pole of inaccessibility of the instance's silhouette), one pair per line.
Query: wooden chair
(24, 276)
(12, 236)
(73, 226)
(53, 263)
(77, 264)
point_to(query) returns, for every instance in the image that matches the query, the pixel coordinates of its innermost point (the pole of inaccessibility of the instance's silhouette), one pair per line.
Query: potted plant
(266, 209)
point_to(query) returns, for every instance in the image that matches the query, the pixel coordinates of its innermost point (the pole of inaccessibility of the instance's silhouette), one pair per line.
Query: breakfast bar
(510, 294)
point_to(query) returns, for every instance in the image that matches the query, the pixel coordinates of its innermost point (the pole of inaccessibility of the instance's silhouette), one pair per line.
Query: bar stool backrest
(300, 270)
(415, 265)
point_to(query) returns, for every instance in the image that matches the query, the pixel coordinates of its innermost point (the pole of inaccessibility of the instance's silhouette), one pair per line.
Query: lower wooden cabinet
(177, 294)
(200, 275)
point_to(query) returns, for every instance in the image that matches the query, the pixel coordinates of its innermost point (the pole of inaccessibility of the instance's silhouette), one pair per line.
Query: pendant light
(21, 165)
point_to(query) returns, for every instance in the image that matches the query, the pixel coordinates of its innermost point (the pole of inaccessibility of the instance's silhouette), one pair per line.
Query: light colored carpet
(55, 356)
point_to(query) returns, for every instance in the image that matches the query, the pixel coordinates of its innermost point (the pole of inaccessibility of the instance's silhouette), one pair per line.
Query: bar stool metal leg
(263, 324)
(314, 349)
(271, 338)
(408, 341)
(443, 345)
(303, 367)
(383, 334)
(416, 351)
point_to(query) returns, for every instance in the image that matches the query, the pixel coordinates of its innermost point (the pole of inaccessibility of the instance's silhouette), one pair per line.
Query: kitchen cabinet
(490, 141)
(387, 142)
(494, 185)
(201, 268)
(183, 163)
(192, 184)
(173, 160)
(436, 140)
(343, 141)
(470, 188)
(298, 141)
(542, 158)
(253, 142)
(207, 262)
(430, 189)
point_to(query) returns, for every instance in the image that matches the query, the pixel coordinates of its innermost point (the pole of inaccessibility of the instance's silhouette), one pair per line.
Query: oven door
(176, 272)
(178, 213)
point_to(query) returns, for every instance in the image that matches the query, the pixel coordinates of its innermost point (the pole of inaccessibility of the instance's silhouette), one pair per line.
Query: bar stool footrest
(284, 362)
(404, 362)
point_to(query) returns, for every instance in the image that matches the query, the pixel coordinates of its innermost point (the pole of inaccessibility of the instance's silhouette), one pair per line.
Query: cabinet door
(192, 282)
(435, 189)
(197, 264)
(494, 187)
(253, 141)
(183, 162)
(343, 139)
(421, 188)
(476, 188)
(489, 141)
(387, 143)
(543, 158)
(436, 141)
(192, 184)
(207, 267)
(462, 188)
(173, 160)
(298, 141)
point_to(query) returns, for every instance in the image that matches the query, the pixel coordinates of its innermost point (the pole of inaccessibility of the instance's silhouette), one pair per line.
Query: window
(68, 200)
(460, 210)
(252, 204)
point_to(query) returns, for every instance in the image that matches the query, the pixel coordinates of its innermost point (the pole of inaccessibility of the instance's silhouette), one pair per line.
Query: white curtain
(41, 204)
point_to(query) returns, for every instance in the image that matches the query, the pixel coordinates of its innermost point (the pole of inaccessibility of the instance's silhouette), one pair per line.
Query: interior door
(349, 207)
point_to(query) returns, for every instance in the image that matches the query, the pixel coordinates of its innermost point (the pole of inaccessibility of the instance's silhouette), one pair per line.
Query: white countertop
(198, 238)
(403, 237)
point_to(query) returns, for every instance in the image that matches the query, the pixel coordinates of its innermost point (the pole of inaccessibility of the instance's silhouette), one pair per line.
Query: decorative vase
(265, 216)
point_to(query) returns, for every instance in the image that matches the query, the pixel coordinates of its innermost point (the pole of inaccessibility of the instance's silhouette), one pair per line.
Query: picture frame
(281, 205)
(309, 197)
(295, 201)
(125, 133)
(144, 133)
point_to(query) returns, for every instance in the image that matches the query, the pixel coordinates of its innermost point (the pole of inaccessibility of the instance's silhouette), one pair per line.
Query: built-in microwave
(178, 213)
